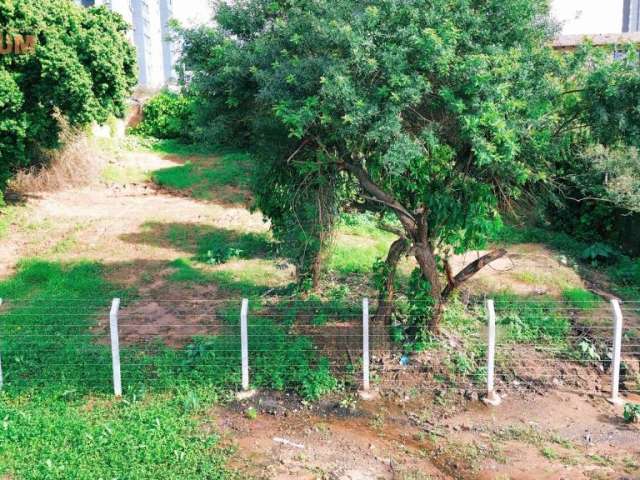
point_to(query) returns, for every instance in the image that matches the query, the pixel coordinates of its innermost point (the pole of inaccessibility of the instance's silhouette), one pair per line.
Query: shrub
(532, 320)
(167, 116)
(83, 69)
(599, 253)
(631, 413)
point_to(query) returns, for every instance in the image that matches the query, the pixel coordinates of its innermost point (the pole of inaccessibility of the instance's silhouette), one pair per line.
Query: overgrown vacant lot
(168, 229)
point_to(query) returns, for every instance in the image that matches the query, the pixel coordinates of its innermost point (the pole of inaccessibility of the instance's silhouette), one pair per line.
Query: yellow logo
(17, 44)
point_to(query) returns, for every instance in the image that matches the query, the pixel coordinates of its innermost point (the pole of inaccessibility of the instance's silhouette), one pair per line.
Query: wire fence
(487, 349)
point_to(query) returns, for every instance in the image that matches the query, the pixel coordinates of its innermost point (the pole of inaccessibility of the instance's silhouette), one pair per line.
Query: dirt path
(135, 230)
(553, 436)
(102, 222)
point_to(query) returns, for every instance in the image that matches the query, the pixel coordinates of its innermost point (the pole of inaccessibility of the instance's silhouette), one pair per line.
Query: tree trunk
(316, 271)
(429, 268)
(387, 292)
(415, 225)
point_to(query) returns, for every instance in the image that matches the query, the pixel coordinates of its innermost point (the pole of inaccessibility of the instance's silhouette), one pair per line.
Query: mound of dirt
(528, 269)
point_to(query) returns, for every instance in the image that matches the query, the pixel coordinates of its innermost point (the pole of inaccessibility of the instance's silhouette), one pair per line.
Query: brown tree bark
(470, 270)
(418, 236)
(387, 292)
(316, 271)
(429, 268)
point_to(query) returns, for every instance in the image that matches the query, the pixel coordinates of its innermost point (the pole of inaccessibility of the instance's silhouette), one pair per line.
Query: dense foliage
(167, 115)
(83, 68)
(597, 196)
(432, 113)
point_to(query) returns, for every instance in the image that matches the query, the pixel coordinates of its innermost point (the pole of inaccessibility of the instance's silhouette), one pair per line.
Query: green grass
(362, 224)
(208, 244)
(252, 280)
(348, 259)
(176, 147)
(204, 179)
(207, 172)
(149, 437)
(582, 299)
(621, 269)
(358, 244)
(531, 320)
(59, 420)
(9, 214)
(48, 340)
(124, 175)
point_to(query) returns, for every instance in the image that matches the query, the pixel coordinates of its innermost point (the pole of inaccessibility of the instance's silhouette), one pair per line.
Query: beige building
(149, 20)
(602, 22)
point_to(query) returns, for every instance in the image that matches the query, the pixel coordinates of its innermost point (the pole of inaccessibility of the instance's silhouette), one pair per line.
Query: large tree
(83, 68)
(434, 113)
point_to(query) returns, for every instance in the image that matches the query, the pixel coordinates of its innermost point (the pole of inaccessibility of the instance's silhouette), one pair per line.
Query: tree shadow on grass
(206, 244)
(54, 338)
(223, 178)
(253, 280)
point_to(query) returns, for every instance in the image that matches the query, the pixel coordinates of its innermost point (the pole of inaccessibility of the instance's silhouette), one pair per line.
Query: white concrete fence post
(244, 344)
(115, 347)
(365, 345)
(617, 351)
(492, 397)
(1, 374)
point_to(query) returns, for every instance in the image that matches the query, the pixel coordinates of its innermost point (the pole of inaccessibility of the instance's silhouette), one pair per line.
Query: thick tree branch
(391, 229)
(406, 218)
(387, 292)
(470, 270)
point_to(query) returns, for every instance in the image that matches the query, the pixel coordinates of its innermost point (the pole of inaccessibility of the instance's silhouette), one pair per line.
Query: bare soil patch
(108, 223)
(288, 441)
(558, 435)
(528, 269)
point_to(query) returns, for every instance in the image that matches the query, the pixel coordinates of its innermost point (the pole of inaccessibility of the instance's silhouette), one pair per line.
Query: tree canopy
(434, 114)
(83, 68)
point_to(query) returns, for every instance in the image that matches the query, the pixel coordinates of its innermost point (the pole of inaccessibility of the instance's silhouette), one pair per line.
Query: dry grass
(77, 163)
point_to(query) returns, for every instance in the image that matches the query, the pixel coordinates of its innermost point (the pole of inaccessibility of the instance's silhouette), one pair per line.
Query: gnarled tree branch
(470, 270)
(379, 195)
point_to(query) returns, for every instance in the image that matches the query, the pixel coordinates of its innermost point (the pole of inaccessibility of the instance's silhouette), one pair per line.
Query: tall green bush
(83, 69)
(167, 115)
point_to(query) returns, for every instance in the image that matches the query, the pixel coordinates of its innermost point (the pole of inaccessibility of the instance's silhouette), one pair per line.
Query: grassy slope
(621, 273)
(59, 419)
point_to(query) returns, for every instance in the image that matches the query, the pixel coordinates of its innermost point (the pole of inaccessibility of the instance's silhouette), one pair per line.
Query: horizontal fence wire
(539, 344)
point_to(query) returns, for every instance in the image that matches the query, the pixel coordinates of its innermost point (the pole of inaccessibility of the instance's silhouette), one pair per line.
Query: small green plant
(631, 413)
(549, 453)
(251, 413)
(222, 254)
(631, 464)
(339, 293)
(587, 351)
(349, 402)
